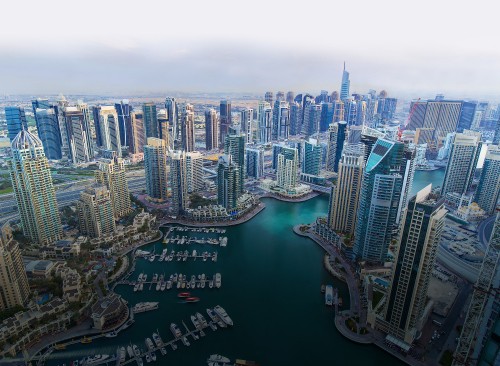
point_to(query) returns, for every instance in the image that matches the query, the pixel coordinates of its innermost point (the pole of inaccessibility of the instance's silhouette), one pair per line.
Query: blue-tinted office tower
(326, 116)
(295, 118)
(123, 109)
(312, 157)
(379, 201)
(466, 116)
(496, 136)
(150, 118)
(336, 138)
(47, 125)
(344, 87)
(16, 121)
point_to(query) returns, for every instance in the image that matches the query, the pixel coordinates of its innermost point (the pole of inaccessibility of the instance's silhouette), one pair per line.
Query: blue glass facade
(47, 125)
(16, 121)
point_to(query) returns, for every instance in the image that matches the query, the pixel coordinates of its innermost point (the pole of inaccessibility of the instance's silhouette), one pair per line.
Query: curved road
(484, 230)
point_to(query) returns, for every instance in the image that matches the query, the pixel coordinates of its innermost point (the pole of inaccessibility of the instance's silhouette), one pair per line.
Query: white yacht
(223, 315)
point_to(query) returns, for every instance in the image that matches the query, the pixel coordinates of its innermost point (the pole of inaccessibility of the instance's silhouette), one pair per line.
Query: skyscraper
(95, 212)
(123, 109)
(313, 152)
(228, 182)
(235, 146)
(254, 162)
(488, 189)
(171, 107)
(312, 118)
(422, 226)
(345, 85)
(186, 125)
(111, 174)
(194, 171)
(265, 122)
(14, 287)
(464, 154)
(287, 168)
(246, 117)
(281, 120)
(107, 129)
(467, 113)
(164, 126)
(336, 138)
(16, 121)
(496, 136)
(379, 202)
(33, 189)
(211, 129)
(80, 145)
(47, 126)
(295, 118)
(150, 118)
(155, 167)
(225, 120)
(290, 96)
(178, 182)
(326, 116)
(138, 135)
(344, 197)
(268, 97)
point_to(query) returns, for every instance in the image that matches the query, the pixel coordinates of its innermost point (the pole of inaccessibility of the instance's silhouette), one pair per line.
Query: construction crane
(412, 110)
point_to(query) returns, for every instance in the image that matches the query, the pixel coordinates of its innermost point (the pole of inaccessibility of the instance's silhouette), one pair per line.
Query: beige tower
(95, 212)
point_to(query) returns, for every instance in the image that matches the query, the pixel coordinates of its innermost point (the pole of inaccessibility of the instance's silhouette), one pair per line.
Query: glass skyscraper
(150, 119)
(16, 121)
(47, 125)
(344, 87)
(155, 167)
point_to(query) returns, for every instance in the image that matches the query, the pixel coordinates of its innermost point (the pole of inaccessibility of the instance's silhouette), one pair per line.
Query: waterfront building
(337, 132)
(150, 118)
(47, 125)
(287, 168)
(345, 194)
(265, 122)
(80, 144)
(179, 182)
(464, 155)
(488, 189)
(254, 162)
(14, 287)
(212, 129)
(95, 212)
(295, 118)
(234, 145)
(345, 85)
(186, 125)
(164, 126)
(155, 167)
(312, 117)
(33, 190)
(228, 182)
(194, 171)
(107, 129)
(16, 121)
(225, 120)
(123, 109)
(312, 157)
(415, 257)
(111, 173)
(138, 134)
(379, 202)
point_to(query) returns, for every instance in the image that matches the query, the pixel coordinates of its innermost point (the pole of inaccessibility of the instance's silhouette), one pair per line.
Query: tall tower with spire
(346, 83)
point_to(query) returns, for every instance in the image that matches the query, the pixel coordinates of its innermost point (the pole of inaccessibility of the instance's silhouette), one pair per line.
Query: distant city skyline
(407, 50)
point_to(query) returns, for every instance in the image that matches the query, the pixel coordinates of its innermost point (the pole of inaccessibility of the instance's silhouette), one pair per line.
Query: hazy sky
(412, 48)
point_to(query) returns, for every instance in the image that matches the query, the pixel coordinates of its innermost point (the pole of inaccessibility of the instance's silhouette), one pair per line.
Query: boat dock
(178, 256)
(179, 281)
(184, 240)
(199, 229)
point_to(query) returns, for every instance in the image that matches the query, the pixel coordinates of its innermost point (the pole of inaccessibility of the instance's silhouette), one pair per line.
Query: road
(484, 230)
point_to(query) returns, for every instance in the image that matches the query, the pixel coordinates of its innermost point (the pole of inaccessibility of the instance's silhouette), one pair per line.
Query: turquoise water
(423, 178)
(271, 282)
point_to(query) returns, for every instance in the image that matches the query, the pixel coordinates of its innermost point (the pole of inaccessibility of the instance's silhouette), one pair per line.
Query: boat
(329, 295)
(184, 294)
(148, 358)
(202, 320)
(157, 339)
(195, 322)
(218, 279)
(168, 285)
(245, 363)
(211, 283)
(223, 315)
(122, 354)
(185, 341)
(152, 258)
(192, 299)
(141, 286)
(111, 334)
(218, 358)
(340, 301)
(153, 356)
(163, 351)
(173, 345)
(322, 288)
(215, 318)
(139, 361)
(74, 363)
(139, 279)
(93, 360)
(175, 330)
(137, 352)
(130, 351)
(86, 340)
(144, 278)
(155, 277)
(205, 255)
(149, 344)
(59, 347)
(158, 285)
(136, 287)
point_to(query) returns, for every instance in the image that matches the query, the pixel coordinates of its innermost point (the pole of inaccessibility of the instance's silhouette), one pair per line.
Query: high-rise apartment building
(123, 109)
(246, 117)
(164, 126)
(379, 202)
(337, 133)
(313, 152)
(225, 120)
(295, 118)
(171, 107)
(268, 97)
(234, 145)
(281, 120)
(194, 171)
(265, 122)
(290, 96)
(228, 182)
(344, 197)
(47, 125)
(421, 230)
(211, 129)
(138, 134)
(150, 118)
(462, 163)
(95, 212)
(111, 174)
(186, 125)
(155, 167)
(16, 121)
(345, 85)
(80, 144)
(107, 128)
(287, 168)
(312, 118)
(254, 162)
(179, 182)
(14, 287)
(496, 136)
(33, 189)
(488, 189)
